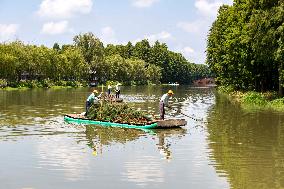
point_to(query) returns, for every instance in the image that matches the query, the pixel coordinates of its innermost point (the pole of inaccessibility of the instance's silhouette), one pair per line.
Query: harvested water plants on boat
(117, 113)
(114, 114)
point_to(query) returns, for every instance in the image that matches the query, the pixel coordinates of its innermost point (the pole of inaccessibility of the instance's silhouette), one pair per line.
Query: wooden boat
(156, 124)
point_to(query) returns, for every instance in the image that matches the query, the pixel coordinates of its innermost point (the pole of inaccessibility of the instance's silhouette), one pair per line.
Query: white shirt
(117, 88)
(165, 99)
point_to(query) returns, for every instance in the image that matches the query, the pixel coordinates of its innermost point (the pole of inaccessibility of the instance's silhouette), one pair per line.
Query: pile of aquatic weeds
(117, 113)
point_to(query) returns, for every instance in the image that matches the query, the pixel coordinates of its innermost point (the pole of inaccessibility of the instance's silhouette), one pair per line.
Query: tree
(243, 45)
(142, 50)
(139, 64)
(92, 48)
(56, 47)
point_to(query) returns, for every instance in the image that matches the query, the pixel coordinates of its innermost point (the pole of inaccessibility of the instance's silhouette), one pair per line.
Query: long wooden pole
(186, 115)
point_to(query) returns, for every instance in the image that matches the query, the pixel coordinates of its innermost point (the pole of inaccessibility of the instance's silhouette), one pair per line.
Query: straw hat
(170, 92)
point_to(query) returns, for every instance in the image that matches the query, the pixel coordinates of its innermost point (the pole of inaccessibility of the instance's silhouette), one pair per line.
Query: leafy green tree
(139, 64)
(77, 67)
(128, 52)
(153, 74)
(142, 50)
(56, 47)
(243, 43)
(91, 47)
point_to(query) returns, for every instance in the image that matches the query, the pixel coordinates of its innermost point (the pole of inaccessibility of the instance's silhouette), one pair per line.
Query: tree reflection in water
(247, 146)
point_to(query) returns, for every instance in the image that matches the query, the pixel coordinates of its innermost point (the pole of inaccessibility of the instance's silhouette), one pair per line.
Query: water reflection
(31, 107)
(164, 140)
(34, 106)
(97, 137)
(35, 139)
(144, 171)
(247, 147)
(59, 154)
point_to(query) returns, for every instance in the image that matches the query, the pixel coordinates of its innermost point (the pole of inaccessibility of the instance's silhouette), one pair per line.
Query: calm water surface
(230, 148)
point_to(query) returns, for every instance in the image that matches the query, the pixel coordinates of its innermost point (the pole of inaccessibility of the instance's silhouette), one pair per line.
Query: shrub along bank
(255, 100)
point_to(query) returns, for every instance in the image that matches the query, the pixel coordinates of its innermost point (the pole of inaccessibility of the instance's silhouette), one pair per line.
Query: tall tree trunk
(280, 91)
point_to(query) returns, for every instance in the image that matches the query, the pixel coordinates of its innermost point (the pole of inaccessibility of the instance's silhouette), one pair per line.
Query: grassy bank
(255, 100)
(29, 84)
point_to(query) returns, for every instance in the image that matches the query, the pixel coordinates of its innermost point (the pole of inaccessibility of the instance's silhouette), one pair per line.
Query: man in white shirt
(165, 102)
(117, 90)
(109, 87)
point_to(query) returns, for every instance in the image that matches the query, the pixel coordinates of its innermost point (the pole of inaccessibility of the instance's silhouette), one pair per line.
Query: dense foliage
(245, 45)
(251, 100)
(32, 63)
(174, 67)
(87, 59)
(117, 113)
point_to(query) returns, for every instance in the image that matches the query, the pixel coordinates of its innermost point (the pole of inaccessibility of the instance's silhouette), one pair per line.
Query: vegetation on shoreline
(46, 83)
(245, 46)
(88, 60)
(245, 50)
(255, 100)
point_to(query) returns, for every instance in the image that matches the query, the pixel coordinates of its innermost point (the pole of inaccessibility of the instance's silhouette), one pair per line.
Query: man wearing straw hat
(165, 102)
(117, 90)
(92, 99)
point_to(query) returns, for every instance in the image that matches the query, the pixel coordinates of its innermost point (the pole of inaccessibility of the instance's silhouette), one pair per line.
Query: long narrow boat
(168, 123)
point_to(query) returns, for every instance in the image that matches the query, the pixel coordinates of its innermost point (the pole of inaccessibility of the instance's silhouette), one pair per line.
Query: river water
(230, 148)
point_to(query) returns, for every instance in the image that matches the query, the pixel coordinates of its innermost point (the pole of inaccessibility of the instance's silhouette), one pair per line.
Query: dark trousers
(108, 92)
(117, 93)
(162, 110)
(88, 105)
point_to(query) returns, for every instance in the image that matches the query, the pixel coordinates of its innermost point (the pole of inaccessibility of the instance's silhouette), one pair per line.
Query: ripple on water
(144, 172)
(63, 154)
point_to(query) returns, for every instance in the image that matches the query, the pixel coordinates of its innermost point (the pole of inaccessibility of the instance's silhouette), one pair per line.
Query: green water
(230, 148)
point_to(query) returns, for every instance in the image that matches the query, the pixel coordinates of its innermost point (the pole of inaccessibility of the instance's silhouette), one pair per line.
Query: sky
(182, 24)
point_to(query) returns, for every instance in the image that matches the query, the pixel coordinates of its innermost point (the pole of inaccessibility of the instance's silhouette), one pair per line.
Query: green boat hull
(108, 124)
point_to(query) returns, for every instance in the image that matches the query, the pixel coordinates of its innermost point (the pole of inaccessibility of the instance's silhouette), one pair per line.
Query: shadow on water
(247, 147)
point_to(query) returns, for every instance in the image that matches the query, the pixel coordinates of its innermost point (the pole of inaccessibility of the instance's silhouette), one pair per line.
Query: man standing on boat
(165, 102)
(109, 87)
(117, 90)
(92, 99)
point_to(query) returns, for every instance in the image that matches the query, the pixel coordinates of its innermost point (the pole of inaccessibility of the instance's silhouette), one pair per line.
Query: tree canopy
(138, 64)
(245, 45)
(173, 66)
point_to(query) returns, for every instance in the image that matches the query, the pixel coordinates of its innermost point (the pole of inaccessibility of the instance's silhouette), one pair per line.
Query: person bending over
(165, 102)
(92, 99)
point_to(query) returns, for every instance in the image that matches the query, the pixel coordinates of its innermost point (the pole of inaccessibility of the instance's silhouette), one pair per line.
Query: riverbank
(27, 88)
(30, 84)
(254, 100)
